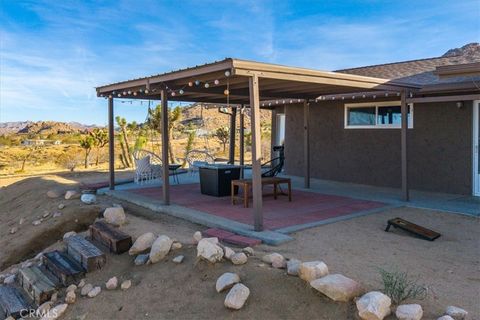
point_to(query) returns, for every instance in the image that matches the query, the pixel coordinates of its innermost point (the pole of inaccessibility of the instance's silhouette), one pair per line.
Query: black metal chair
(274, 167)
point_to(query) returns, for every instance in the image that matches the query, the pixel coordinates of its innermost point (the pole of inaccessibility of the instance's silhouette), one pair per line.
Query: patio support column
(404, 144)
(242, 139)
(165, 137)
(256, 152)
(306, 143)
(111, 145)
(233, 127)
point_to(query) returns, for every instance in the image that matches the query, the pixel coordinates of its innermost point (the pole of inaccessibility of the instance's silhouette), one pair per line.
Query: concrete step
(110, 237)
(85, 253)
(63, 267)
(13, 302)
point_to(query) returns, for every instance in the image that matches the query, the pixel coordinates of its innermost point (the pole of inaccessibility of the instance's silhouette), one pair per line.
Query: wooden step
(108, 236)
(37, 284)
(12, 302)
(63, 267)
(84, 252)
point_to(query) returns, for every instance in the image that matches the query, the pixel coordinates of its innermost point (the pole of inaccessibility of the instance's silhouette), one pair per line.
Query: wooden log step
(84, 252)
(37, 284)
(108, 236)
(12, 302)
(64, 268)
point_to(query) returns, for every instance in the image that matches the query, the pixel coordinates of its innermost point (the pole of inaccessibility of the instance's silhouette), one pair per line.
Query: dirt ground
(449, 266)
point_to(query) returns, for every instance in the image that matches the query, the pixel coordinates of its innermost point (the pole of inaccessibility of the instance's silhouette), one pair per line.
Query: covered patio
(239, 84)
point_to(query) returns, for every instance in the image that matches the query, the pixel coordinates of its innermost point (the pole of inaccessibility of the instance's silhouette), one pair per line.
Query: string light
(227, 73)
(207, 85)
(181, 91)
(190, 83)
(129, 92)
(119, 95)
(216, 82)
(173, 93)
(135, 93)
(226, 92)
(197, 82)
(146, 90)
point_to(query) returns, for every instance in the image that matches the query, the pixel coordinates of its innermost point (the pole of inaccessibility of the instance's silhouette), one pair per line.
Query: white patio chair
(197, 159)
(148, 166)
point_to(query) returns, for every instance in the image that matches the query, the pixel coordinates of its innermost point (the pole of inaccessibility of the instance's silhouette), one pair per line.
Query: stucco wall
(439, 148)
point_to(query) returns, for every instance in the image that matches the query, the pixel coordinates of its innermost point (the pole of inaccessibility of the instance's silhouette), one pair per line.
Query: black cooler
(216, 179)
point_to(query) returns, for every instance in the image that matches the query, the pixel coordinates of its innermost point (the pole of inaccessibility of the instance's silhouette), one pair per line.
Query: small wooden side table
(246, 184)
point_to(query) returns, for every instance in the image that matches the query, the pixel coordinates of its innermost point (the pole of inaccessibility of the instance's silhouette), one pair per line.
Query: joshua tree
(87, 143)
(125, 146)
(222, 134)
(154, 121)
(100, 139)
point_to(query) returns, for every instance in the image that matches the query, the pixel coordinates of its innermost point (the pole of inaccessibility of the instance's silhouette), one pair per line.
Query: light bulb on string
(227, 73)
(119, 95)
(190, 84)
(129, 92)
(146, 90)
(207, 85)
(197, 82)
(216, 82)
(226, 92)
(181, 91)
(135, 93)
(173, 93)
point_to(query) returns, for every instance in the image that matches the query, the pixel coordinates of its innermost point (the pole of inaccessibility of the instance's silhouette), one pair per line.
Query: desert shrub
(399, 286)
(69, 160)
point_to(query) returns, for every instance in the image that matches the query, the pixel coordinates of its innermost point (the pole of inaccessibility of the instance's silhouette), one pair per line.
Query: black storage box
(216, 180)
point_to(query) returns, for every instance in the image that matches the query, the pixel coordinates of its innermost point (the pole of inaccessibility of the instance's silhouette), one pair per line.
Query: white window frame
(376, 105)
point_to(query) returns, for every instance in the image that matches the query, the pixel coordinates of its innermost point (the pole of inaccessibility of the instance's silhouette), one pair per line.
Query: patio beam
(165, 137)
(111, 145)
(306, 143)
(404, 146)
(233, 127)
(242, 140)
(256, 152)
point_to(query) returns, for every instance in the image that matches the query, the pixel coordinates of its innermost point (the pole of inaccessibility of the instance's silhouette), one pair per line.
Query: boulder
(115, 216)
(337, 287)
(456, 313)
(209, 250)
(86, 289)
(71, 194)
(268, 258)
(143, 243)
(141, 259)
(197, 236)
(409, 312)
(55, 312)
(94, 292)
(239, 258)
(292, 267)
(228, 253)
(178, 259)
(71, 287)
(312, 270)
(126, 284)
(373, 305)
(248, 251)
(160, 249)
(88, 198)
(446, 317)
(226, 281)
(53, 194)
(237, 296)
(112, 283)
(68, 235)
(71, 297)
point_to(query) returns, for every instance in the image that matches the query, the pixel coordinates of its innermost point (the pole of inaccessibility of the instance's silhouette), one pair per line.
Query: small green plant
(400, 287)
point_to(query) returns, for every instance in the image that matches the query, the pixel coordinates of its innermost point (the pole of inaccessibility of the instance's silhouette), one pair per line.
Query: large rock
(115, 216)
(55, 312)
(373, 306)
(409, 312)
(112, 283)
(337, 287)
(248, 251)
(275, 259)
(456, 312)
(226, 281)
(312, 270)
(160, 248)
(209, 250)
(71, 297)
(88, 198)
(71, 194)
(228, 252)
(94, 292)
(143, 243)
(292, 267)
(239, 258)
(126, 284)
(86, 289)
(237, 296)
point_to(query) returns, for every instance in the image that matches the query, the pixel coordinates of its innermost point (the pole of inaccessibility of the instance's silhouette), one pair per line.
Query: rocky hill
(468, 49)
(43, 127)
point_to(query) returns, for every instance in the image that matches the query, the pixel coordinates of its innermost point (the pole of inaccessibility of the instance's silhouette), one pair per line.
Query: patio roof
(207, 83)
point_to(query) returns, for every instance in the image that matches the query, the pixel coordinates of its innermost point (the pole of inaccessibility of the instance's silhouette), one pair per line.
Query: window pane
(389, 115)
(361, 116)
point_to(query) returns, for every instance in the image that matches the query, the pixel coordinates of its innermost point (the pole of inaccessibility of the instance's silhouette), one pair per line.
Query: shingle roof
(421, 71)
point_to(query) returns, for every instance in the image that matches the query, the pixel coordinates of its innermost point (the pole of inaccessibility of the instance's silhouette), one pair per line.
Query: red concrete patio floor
(306, 207)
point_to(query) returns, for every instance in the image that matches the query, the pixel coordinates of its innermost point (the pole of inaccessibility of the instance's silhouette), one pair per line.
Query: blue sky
(53, 53)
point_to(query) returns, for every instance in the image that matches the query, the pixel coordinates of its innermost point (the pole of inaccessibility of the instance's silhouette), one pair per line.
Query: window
(376, 115)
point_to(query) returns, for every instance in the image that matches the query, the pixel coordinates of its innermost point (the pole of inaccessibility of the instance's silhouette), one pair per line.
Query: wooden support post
(233, 129)
(242, 139)
(111, 144)
(306, 143)
(165, 137)
(256, 152)
(404, 144)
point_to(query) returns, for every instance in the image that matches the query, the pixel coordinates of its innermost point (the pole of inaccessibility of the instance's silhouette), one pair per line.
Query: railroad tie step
(110, 237)
(12, 302)
(63, 267)
(85, 253)
(38, 283)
